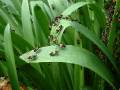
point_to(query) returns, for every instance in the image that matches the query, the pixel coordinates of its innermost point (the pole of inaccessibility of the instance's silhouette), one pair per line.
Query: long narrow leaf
(10, 59)
(26, 23)
(74, 7)
(74, 55)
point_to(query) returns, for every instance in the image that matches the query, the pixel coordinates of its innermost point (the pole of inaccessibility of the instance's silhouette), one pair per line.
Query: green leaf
(74, 55)
(90, 35)
(10, 58)
(17, 42)
(74, 7)
(26, 23)
(40, 22)
(99, 14)
(57, 6)
(42, 18)
(6, 17)
(17, 4)
(3, 68)
(11, 6)
(45, 8)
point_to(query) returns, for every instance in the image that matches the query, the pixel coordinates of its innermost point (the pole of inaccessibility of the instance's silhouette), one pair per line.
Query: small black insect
(32, 57)
(49, 27)
(78, 41)
(12, 28)
(79, 22)
(54, 53)
(60, 27)
(53, 7)
(55, 40)
(49, 63)
(50, 37)
(91, 8)
(67, 17)
(57, 18)
(75, 20)
(61, 16)
(37, 50)
(58, 30)
(54, 24)
(62, 45)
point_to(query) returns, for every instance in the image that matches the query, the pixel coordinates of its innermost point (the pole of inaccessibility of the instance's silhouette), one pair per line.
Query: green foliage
(58, 43)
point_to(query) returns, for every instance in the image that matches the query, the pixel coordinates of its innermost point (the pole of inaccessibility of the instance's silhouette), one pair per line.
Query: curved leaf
(74, 7)
(90, 35)
(57, 6)
(74, 55)
(40, 22)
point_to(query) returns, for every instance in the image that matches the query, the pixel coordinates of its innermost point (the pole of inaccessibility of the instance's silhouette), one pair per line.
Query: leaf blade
(10, 59)
(26, 22)
(74, 55)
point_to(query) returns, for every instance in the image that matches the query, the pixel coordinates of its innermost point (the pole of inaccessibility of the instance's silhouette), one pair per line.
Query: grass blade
(74, 7)
(26, 23)
(10, 59)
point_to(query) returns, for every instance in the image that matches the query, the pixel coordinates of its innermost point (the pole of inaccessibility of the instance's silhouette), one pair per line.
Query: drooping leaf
(90, 35)
(71, 54)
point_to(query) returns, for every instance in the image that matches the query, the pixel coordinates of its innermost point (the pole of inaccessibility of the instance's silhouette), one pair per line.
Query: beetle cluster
(56, 20)
(53, 39)
(58, 17)
(59, 28)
